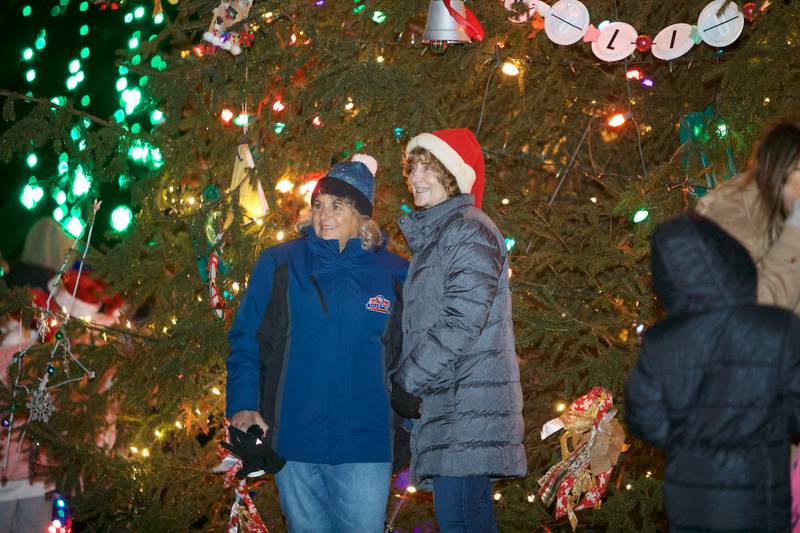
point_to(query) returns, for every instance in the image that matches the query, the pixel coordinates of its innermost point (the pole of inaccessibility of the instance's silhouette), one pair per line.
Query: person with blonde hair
(310, 345)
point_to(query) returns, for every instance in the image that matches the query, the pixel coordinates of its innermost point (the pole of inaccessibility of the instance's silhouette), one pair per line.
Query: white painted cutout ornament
(567, 22)
(672, 42)
(518, 17)
(720, 30)
(616, 41)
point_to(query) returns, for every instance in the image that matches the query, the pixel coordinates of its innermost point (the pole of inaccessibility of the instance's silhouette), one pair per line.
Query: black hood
(697, 266)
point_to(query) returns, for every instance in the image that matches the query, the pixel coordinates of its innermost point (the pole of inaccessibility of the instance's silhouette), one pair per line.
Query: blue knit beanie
(354, 180)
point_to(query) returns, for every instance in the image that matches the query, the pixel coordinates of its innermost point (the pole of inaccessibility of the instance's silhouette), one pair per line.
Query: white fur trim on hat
(446, 154)
(368, 160)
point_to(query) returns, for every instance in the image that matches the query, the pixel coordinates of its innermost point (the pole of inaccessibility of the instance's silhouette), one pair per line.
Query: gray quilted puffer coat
(458, 346)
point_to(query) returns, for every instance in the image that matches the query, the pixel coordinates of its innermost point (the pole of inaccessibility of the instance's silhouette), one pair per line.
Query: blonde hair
(443, 176)
(368, 230)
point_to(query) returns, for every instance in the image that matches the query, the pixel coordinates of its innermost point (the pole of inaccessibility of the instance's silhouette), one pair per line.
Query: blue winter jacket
(310, 345)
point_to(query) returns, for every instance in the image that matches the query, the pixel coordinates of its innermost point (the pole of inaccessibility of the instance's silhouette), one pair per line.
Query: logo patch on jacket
(379, 304)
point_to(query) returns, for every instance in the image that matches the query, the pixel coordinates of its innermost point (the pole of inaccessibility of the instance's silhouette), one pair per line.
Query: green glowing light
(143, 81)
(79, 76)
(74, 66)
(359, 9)
(30, 75)
(84, 52)
(122, 84)
(640, 216)
(75, 133)
(74, 226)
(138, 12)
(378, 17)
(26, 11)
(59, 100)
(72, 83)
(128, 18)
(32, 160)
(85, 100)
(135, 60)
(58, 213)
(132, 98)
(41, 40)
(82, 182)
(279, 126)
(84, 6)
(121, 218)
(84, 29)
(133, 43)
(136, 128)
(156, 116)
(158, 19)
(27, 54)
(31, 195)
(241, 120)
(119, 115)
(63, 168)
(61, 197)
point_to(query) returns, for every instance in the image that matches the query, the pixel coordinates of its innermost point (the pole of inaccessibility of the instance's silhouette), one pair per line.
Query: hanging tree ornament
(224, 16)
(40, 405)
(450, 22)
(580, 479)
(251, 199)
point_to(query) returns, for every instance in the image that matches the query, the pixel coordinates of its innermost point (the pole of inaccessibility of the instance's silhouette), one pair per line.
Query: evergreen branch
(69, 109)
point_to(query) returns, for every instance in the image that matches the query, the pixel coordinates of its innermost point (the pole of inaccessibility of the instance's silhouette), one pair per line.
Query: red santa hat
(458, 150)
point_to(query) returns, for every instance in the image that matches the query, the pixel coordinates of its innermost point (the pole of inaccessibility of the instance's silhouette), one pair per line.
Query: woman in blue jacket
(310, 346)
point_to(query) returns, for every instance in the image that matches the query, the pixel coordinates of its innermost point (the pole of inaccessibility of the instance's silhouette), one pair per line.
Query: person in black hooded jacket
(717, 384)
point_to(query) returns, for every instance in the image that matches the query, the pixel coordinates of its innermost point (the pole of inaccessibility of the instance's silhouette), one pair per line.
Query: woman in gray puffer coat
(458, 354)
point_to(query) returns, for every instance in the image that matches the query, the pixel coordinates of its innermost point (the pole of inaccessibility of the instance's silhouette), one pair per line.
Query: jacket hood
(697, 266)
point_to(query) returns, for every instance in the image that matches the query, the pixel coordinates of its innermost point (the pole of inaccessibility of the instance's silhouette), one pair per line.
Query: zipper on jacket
(319, 293)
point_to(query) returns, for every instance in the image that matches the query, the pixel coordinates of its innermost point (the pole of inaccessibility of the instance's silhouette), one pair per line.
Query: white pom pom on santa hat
(368, 161)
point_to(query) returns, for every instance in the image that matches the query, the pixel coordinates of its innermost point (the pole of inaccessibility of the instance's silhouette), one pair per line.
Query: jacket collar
(325, 253)
(420, 226)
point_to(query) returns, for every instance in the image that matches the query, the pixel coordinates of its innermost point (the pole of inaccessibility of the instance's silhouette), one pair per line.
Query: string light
(284, 186)
(531, 498)
(618, 119)
(561, 406)
(349, 105)
(278, 106)
(215, 391)
(505, 201)
(226, 115)
(497, 496)
(280, 236)
(640, 216)
(509, 68)
(411, 489)
(634, 74)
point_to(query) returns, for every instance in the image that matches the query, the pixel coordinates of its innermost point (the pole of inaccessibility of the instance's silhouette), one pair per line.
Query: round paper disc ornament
(567, 22)
(672, 42)
(617, 41)
(721, 29)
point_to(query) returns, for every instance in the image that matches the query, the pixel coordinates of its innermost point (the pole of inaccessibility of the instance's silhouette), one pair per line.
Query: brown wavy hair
(775, 156)
(368, 230)
(443, 176)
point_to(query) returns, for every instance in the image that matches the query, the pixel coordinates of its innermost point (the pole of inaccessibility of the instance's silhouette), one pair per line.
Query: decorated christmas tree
(202, 136)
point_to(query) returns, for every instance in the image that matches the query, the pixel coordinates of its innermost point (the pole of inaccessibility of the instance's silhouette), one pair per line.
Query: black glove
(257, 456)
(404, 403)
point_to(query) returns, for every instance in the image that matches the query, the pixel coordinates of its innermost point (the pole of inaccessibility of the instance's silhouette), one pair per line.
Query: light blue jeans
(344, 498)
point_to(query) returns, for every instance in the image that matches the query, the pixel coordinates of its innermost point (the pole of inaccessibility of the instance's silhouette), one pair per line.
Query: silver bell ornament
(441, 27)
